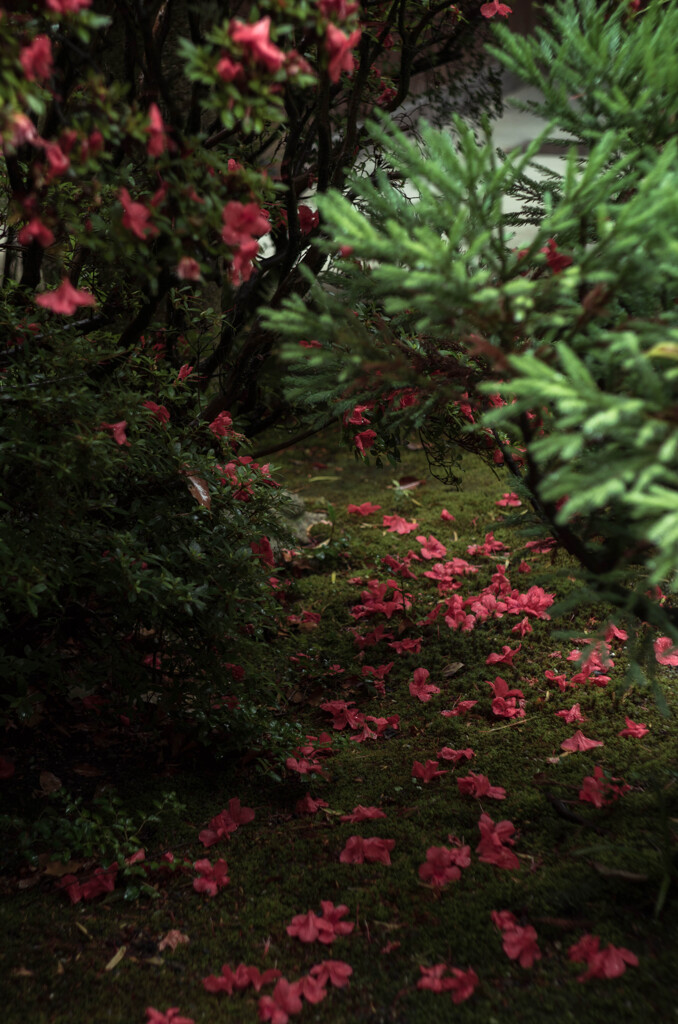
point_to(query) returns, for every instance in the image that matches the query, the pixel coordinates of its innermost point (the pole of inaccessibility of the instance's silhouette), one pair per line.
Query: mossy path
(578, 869)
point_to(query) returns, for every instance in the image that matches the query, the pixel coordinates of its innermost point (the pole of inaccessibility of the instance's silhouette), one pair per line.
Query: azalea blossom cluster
(242, 474)
(102, 880)
(366, 727)
(305, 758)
(599, 790)
(374, 600)
(610, 962)
(286, 997)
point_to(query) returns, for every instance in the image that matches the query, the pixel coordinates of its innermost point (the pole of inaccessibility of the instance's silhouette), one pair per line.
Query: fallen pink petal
(580, 742)
(635, 729)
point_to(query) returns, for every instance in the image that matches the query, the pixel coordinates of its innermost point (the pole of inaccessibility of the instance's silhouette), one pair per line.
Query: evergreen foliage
(560, 357)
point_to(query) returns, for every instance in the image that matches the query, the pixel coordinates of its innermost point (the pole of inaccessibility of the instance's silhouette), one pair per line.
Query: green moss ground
(53, 955)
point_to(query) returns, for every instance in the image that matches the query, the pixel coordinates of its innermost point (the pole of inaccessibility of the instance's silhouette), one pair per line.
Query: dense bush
(147, 149)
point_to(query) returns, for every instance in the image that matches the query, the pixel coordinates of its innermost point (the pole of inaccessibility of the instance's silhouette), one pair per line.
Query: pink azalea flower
(572, 715)
(500, 688)
(494, 842)
(361, 813)
(257, 979)
(65, 299)
(36, 59)
(285, 1000)
(505, 658)
(312, 990)
(117, 431)
(580, 742)
(409, 646)
(446, 516)
(427, 771)
(443, 865)
(303, 766)
(507, 708)
(210, 878)
(420, 688)
(431, 548)
(222, 425)
(101, 881)
(170, 1016)
(184, 372)
(490, 547)
(636, 729)
(36, 231)
(367, 851)
(455, 756)
(462, 984)
(310, 927)
(356, 417)
(396, 524)
(665, 652)
(335, 971)
(308, 805)
(57, 160)
(462, 708)
(67, 6)
(366, 509)
(157, 137)
(598, 790)
(521, 944)
(308, 219)
(522, 627)
(601, 963)
(560, 680)
(457, 617)
(136, 218)
(504, 919)
(338, 46)
(229, 71)
(237, 813)
(556, 260)
(160, 412)
(479, 786)
(433, 978)
(255, 40)
(509, 500)
(534, 602)
(343, 714)
(243, 222)
(365, 440)
(334, 914)
(223, 982)
(614, 633)
(225, 823)
(188, 269)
